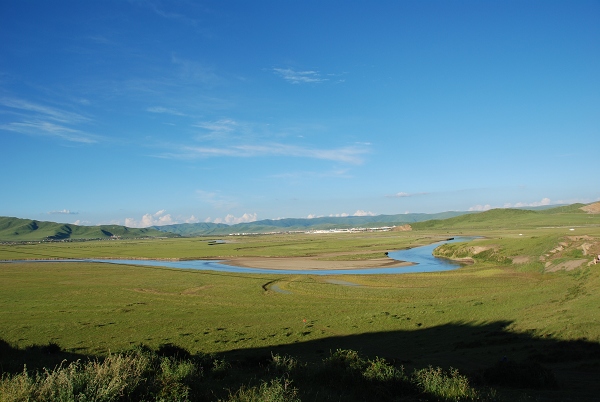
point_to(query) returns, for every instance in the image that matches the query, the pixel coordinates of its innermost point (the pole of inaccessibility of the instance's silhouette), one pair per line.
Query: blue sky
(159, 112)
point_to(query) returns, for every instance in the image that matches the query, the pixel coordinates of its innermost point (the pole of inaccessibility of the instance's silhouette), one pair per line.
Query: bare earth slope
(592, 208)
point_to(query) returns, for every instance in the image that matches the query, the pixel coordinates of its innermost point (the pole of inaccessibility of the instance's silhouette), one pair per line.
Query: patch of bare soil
(577, 238)
(567, 265)
(592, 208)
(520, 259)
(479, 249)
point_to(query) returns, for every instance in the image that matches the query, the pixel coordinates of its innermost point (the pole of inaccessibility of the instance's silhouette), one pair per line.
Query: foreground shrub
(344, 364)
(17, 388)
(145, 375)
(449, 386)
(283, 365)
(375, 378)
(175, 378)
(114, 377)
(277, 390)
(381, 371)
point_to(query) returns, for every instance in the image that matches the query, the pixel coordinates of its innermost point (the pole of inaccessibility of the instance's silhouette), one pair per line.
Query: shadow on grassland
(488, 353)
(34, 357)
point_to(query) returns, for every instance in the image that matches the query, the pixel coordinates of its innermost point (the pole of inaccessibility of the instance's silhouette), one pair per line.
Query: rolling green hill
(193, 229)
(16, 229)
(569, 215)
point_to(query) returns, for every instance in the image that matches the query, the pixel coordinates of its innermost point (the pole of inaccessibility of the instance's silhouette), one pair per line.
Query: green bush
(144, 374)
(343, 366)
(174, 379)
(283, 364)
(381, 371)
(449, 386)
(277, 390)
(219, 368)
(345, 359)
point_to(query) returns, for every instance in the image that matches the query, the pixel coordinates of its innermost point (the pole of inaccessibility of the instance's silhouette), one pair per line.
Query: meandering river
(422, 257)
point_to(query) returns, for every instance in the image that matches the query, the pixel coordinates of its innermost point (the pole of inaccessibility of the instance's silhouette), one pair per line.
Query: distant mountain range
(323, 223)
(16, 229)
(299, 224)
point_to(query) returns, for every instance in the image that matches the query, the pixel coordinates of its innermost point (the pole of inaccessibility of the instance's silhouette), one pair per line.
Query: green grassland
(521, 298)
(298, 245)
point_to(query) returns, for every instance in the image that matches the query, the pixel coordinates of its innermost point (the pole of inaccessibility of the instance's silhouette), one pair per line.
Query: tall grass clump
(283, 365)
(277, 390)
(117, 376)
(348, 364)
(343, 366)
(448, 386)
(175, 378)
(375, 378)
(380, 370)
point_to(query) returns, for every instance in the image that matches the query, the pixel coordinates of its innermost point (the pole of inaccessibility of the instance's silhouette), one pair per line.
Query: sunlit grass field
(469, 318)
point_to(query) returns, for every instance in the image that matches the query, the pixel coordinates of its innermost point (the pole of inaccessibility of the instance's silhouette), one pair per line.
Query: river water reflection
(421, 256)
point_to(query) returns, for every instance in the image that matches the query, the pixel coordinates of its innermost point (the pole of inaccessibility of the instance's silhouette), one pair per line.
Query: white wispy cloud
(45, 128)
(232, 220)
(480, 207)
(342, 215)
(216, 199)
(49, 112)
(62, 212)
(42, 120)
(176, 16)
(542, 202)
(350, 154)
(164, 110)
(226, 125)
(219, 129)
(299, 77)
(192, 219)
(307, 175)
(195, 72)
(486, 207)
(402, 194)
(360, 212)
(156, 219)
